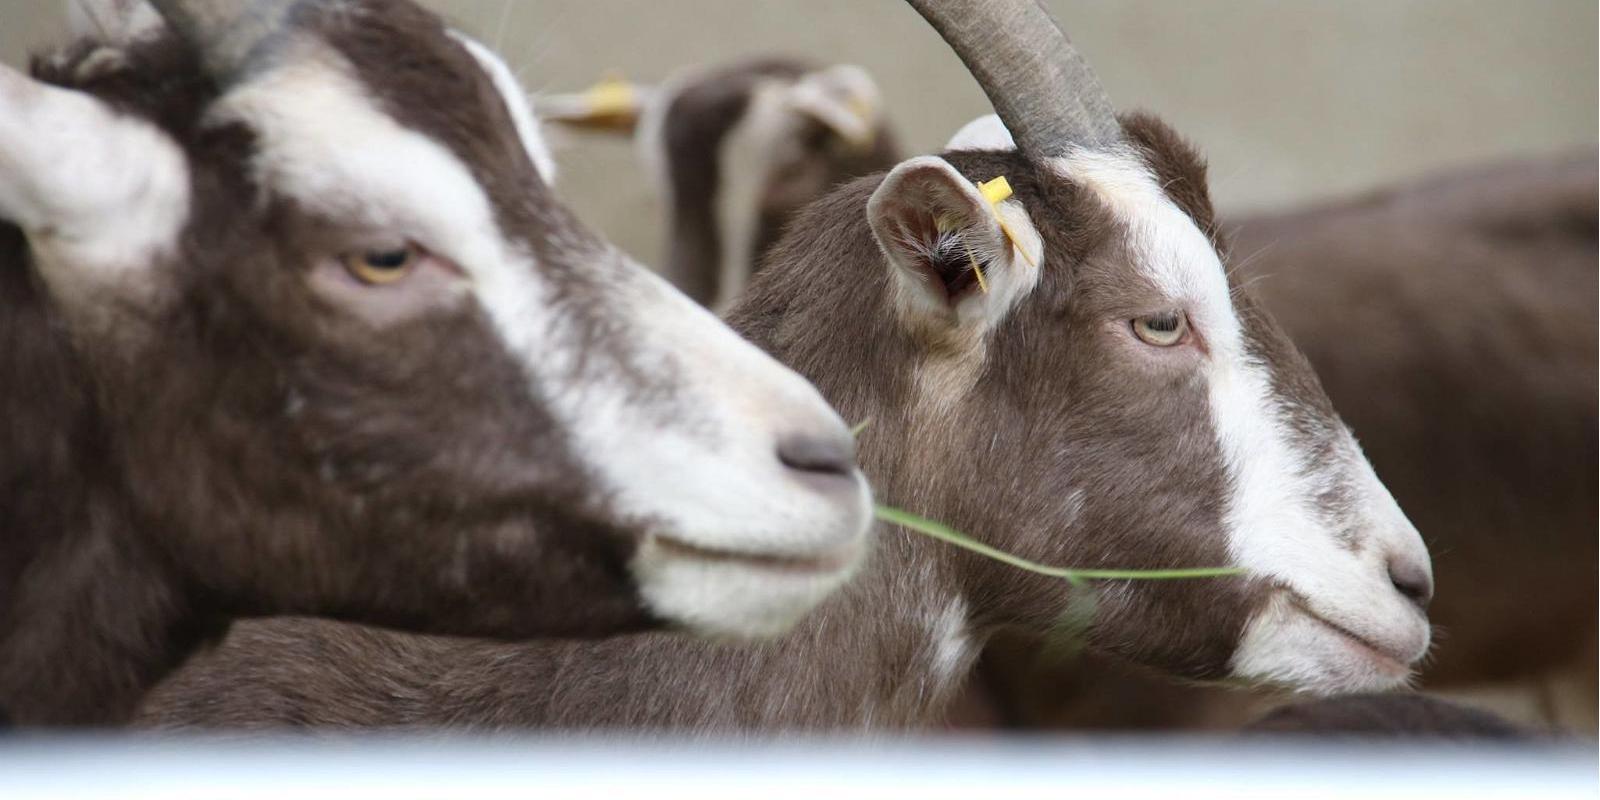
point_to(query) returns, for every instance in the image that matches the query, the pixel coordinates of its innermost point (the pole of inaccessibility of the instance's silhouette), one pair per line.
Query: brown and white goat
(1456, 289)
(737, 149)
(292, 324)
(1110, 400)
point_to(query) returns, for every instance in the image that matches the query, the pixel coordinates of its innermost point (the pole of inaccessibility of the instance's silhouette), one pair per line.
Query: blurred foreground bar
(441, 766)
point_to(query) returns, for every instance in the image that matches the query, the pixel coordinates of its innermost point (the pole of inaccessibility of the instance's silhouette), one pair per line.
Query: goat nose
(1411, 579)
(819, 455)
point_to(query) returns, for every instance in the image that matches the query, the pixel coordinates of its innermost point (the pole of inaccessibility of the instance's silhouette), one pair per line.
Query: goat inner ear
(954, 263)
(938, 246)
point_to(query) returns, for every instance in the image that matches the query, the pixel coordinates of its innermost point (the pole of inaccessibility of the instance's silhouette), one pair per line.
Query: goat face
(1116, 402)
(357, 361)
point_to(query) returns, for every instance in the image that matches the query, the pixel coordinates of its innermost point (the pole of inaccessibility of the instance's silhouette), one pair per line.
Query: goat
(1440, 317)
(1393, 254)
(736, 150)
(293, 325)
(1110, 400)
(1421, 241)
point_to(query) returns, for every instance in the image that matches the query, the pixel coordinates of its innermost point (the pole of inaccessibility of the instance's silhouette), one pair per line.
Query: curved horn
(1040, 86)
(226, 32)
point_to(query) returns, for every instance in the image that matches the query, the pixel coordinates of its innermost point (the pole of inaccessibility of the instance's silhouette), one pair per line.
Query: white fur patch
(1273, 523)
(984, 133)
(100, 195)
(953, 648)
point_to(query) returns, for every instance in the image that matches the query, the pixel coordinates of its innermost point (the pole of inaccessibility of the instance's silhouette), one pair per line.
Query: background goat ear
(952, 261)
(100, 195)
(844, 98)
(113, 22)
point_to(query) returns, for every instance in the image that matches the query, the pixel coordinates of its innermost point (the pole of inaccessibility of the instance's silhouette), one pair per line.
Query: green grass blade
(945, 533)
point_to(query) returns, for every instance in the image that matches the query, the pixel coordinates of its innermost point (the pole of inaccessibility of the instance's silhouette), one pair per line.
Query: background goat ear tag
(612, 96)
(613, 104)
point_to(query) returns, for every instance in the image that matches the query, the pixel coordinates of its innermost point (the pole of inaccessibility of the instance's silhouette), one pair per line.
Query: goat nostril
(1411, 580)
(834, 455)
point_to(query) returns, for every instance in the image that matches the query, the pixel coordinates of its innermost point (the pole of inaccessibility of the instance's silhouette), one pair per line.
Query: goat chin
(723, 594)
(1290, 646)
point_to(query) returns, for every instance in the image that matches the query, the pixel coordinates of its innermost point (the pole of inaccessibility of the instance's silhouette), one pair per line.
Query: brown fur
(248, 449)
(1058, 405)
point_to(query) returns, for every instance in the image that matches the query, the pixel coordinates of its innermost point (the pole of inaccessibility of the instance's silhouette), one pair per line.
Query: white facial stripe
(100, 195)
(1273, 521)
(529, 129)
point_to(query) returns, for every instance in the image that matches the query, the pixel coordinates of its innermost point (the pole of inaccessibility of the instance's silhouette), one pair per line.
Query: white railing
(932, 769)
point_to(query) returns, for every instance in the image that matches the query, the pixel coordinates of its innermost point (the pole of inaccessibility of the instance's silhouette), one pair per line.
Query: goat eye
(380, 267)
(1161, 330)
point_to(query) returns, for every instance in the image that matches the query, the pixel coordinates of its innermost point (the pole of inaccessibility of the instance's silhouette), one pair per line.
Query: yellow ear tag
(612, 96)
(996, 192)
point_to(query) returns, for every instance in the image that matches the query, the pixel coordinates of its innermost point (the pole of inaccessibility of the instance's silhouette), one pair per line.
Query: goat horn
(1040, 86)
(227, 32)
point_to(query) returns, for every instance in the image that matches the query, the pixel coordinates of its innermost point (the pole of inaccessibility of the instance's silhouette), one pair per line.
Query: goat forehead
(1163, 243)
(322, 141)
(443, 85)
(1282, 448)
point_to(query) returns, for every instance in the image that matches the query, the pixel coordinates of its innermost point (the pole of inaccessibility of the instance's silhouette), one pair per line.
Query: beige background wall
(1291, 100)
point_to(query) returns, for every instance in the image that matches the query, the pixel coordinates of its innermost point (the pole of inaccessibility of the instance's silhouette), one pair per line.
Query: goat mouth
(1386, 659)
(830, 561)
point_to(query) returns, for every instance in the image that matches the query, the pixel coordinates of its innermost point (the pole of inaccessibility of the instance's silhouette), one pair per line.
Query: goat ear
(98, 194)
(113, 22)
(954, 263)
(845, 99)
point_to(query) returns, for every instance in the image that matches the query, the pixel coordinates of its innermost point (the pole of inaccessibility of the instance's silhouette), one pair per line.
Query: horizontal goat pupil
(1166, 323)
(387, 259)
